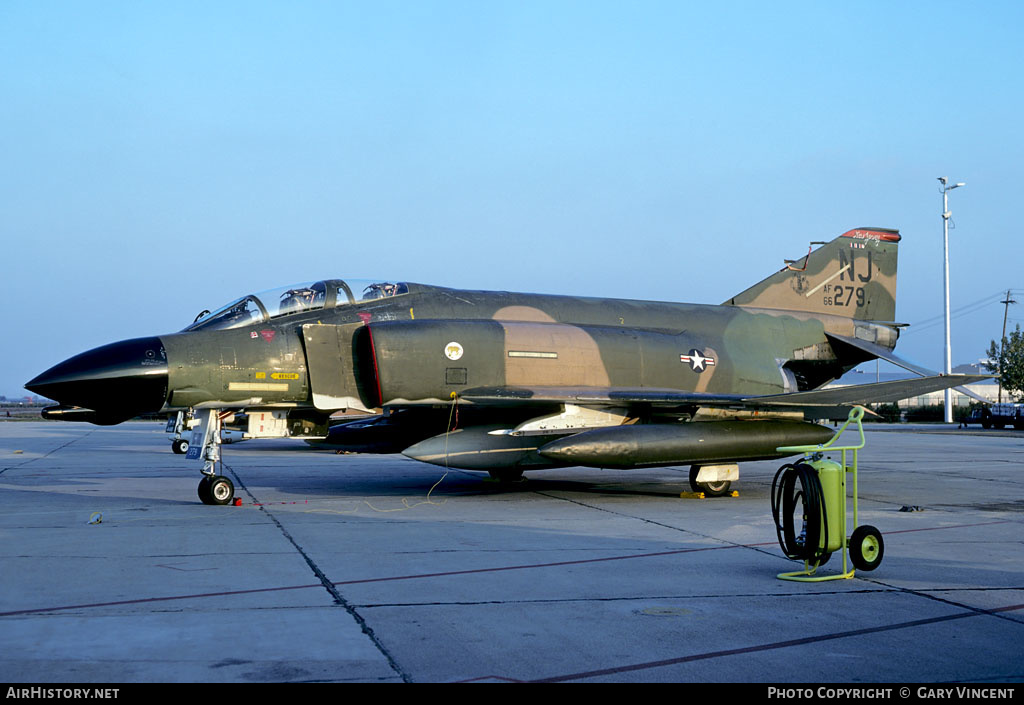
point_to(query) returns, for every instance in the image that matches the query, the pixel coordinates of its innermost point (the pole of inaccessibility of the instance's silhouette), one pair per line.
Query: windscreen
(293, 299)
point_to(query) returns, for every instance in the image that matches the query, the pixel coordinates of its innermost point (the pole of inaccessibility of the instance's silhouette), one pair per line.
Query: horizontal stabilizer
(887, 355)
(867, 393)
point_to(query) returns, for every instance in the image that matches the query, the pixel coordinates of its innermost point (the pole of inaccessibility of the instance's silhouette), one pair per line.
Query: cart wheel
(866, 547)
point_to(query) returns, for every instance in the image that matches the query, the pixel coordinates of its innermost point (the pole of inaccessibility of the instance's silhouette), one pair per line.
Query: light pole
(1002, 341)
(946, 188)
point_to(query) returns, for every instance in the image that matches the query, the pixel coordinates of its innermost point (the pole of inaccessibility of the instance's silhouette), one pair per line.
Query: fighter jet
(508, 382)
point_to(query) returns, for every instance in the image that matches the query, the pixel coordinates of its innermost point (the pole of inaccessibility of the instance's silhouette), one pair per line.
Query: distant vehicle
(998, 416)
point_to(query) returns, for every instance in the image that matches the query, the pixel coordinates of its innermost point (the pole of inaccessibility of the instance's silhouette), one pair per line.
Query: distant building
(972, 368)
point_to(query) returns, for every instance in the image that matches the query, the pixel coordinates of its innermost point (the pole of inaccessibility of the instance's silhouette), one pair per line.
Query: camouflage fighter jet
(504, 382)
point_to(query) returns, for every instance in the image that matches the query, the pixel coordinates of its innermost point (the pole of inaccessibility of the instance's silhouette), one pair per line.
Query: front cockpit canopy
(297, 298)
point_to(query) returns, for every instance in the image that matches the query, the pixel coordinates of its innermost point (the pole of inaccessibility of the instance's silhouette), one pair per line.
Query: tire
(204, 490)
(866, 548)
(180, 446)
(710, 489)
(216, 490)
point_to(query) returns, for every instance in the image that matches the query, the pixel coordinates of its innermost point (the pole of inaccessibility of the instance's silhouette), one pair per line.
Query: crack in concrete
(327, 584)
(883, 590)
(47, 453)
(663, 525)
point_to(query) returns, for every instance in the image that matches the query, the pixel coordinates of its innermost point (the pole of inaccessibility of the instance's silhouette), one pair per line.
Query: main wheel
(216, 489)
(710, 489)
(179, 446)
(866, 547)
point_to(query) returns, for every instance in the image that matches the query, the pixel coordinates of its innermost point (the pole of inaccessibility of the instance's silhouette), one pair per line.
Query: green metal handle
(856, 414)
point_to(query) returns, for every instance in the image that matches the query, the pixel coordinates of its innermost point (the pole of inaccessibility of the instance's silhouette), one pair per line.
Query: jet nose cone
(119, 381)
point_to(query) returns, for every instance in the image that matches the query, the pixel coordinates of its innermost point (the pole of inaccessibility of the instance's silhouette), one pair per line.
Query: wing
(817, 401)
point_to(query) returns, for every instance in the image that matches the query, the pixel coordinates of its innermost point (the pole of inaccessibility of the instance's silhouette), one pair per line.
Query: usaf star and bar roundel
(697, 360)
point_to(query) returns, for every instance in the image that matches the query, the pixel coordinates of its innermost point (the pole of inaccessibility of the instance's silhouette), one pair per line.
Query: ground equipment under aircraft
(510, 382)
(815, 488)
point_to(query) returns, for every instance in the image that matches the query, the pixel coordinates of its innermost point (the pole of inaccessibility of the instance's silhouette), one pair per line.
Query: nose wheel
(213, 488)
(216, 489)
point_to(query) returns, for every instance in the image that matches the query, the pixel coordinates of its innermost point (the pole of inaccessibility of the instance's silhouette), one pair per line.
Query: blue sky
(157, 159)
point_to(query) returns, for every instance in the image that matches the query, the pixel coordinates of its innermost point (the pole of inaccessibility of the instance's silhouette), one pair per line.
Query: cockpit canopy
(297, 298)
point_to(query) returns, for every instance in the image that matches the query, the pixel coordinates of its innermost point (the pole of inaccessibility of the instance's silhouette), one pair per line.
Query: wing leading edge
(816, 400)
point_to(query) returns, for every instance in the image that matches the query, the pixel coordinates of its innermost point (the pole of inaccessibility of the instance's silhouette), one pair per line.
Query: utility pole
(946, 188)
(1002, 341)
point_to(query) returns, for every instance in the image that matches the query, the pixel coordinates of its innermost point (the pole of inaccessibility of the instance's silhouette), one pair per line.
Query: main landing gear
(713, 480)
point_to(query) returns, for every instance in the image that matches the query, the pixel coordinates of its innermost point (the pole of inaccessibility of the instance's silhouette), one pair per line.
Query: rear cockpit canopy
(297, 298)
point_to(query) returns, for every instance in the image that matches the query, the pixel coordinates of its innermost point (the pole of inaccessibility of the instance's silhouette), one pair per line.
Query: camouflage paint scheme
(561, 341)
(529, 370)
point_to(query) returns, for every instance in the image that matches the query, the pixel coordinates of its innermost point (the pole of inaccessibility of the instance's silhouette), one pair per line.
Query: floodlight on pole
(1002, 342)
(946, 188)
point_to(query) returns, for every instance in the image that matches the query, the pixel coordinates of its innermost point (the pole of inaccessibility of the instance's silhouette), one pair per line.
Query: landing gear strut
(213, 488)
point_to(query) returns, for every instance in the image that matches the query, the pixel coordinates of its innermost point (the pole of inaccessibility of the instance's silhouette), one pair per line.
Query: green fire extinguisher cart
(811, 493)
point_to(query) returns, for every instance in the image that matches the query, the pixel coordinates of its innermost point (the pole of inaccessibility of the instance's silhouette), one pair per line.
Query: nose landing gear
(205, 443)
(216, 489)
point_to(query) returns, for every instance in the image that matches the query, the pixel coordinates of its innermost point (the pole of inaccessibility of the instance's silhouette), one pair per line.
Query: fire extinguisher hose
(786, 496)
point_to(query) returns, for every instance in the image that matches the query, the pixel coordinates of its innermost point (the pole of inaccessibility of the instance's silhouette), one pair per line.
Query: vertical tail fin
(854, 276)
